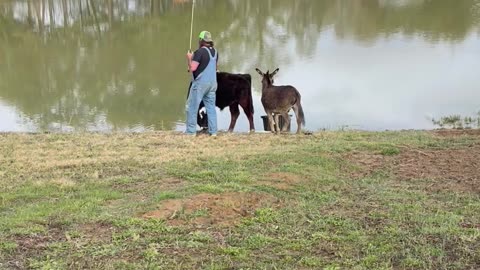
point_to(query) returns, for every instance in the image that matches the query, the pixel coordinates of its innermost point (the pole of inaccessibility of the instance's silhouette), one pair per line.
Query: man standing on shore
(203, 66)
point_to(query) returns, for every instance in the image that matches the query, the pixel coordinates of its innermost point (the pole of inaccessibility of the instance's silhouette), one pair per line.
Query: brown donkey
(279, 100)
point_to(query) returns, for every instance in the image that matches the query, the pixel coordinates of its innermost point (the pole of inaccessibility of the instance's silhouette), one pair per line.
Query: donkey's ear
(259, 71)
(274, 72)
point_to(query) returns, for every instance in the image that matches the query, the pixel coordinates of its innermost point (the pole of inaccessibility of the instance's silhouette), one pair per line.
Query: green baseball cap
(205, 36)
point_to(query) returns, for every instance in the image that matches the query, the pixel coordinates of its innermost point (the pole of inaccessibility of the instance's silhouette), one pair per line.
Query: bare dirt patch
(34, 242)
(29, 246)
(452, 169)
(171, 183)
(206, 210)
(282, 180)
(96, 232)
(456, 132)
(366, 163)
(140, 191)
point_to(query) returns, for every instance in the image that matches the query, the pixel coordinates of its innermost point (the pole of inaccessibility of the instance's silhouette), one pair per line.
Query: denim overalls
(203, 88)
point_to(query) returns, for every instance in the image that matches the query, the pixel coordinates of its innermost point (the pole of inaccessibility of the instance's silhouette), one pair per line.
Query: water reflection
(119, 64)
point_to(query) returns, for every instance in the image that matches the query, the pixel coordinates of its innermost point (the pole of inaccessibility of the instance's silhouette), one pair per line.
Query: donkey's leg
(297, 115)
(234, 113)
(270, 121)
(286, 118)
(277, 123)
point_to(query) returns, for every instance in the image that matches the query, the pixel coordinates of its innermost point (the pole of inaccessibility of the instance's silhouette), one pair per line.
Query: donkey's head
(267, 78)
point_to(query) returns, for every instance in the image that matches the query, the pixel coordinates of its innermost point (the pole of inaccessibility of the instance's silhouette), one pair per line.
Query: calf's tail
(249, 79)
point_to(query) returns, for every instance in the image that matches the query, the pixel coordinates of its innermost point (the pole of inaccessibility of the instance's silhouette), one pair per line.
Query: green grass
(75, 201)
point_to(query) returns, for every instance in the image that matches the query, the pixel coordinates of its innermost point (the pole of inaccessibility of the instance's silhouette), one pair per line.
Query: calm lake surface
(119, 65)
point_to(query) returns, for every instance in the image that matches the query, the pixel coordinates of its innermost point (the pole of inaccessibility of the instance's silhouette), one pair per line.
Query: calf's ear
(259, 71)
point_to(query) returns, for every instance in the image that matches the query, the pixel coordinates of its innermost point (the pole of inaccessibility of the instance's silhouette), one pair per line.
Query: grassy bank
(332, 200)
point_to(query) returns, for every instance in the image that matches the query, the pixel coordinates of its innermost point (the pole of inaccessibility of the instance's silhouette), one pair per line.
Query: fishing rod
(191, 30)
(191, 26)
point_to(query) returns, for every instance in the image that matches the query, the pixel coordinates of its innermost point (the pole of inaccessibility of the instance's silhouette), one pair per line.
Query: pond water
(83, 65)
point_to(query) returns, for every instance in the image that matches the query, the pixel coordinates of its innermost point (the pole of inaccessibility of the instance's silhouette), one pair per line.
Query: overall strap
(209, 53)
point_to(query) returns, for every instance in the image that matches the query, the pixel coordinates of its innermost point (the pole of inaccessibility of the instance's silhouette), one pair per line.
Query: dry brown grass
(79, 156)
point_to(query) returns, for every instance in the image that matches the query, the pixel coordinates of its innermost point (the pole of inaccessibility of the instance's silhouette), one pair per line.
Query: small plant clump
(458, 122)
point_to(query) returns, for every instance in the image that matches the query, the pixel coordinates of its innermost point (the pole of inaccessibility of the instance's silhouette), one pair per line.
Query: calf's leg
(244, 103)
(234, 113)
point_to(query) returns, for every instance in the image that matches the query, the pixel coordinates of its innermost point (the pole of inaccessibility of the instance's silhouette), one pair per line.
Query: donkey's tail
(300, 111)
